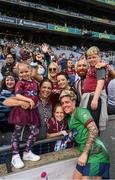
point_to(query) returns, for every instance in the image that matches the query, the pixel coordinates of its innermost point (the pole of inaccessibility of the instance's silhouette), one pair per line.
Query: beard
(82, 73)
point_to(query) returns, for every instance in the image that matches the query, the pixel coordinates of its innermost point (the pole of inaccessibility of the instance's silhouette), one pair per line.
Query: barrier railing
(39, 142)
(47, 140)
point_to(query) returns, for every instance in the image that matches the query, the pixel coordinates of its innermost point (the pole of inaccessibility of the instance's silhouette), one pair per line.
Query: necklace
(59, 127)
(44, 110)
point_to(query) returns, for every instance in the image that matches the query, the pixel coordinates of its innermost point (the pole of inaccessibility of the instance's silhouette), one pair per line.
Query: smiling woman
(63, 83)
(30, 116)
(94, 158)
(44, 105)
(8, 82)
(7, 90)
(53, 70)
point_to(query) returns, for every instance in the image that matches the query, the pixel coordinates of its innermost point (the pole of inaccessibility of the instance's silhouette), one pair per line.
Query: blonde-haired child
(26, 90)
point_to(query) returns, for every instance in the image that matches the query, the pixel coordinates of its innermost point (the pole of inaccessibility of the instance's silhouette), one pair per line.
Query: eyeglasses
(52, 69)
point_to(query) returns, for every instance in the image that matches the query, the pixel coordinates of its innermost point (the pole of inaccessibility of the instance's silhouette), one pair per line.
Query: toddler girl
(26, 90)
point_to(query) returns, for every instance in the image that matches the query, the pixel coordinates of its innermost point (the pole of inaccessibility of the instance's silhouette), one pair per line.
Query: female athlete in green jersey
(94, 159)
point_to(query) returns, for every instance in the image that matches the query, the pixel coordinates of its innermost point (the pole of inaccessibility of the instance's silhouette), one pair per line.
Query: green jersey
(78, 121)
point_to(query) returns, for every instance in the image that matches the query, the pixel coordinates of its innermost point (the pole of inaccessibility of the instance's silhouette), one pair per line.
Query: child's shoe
(63, 146)
(57, 146)
(17, 162)
(29, 156)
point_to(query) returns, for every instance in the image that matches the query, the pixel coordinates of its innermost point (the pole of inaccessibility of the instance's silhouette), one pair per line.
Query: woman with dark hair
(63, 81)
(7, 90)
(8, 82)
(63, 84)
(44, 105)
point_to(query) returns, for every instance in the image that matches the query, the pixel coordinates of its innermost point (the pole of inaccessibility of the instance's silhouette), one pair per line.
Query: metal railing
(22, 145)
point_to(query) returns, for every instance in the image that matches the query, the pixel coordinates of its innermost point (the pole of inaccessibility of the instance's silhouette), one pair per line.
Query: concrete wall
(108, 137)
(61, 170)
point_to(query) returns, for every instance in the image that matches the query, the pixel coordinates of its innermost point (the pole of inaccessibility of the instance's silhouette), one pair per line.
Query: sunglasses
(52, 69)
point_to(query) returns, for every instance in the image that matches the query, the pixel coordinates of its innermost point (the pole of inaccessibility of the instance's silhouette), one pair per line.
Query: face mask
(41, 70)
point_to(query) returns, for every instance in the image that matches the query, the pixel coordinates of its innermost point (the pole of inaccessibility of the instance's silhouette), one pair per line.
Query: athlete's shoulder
(83, 112)
(80, 109)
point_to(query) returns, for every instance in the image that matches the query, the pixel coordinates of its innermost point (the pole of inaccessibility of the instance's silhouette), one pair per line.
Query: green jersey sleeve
(84, 116)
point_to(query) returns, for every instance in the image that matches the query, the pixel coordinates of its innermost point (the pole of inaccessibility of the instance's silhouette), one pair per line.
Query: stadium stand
(69, 20)
(69, 27)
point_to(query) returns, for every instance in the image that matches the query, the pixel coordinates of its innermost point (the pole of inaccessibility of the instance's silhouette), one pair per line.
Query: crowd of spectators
(54, 69)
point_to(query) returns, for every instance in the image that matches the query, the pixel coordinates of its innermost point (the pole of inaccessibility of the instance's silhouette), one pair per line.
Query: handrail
(22, 145)
(47, 140)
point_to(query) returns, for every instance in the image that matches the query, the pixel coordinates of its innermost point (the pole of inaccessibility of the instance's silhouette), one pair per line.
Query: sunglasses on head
(52, 69)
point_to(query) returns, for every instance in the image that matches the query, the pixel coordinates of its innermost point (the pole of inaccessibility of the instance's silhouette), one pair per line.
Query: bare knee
(77, 175)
